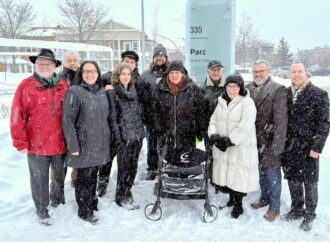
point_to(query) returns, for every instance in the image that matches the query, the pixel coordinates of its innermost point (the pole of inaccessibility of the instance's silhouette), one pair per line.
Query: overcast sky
(303, 23)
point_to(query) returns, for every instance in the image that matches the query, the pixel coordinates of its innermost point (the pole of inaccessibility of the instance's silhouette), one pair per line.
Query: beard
(46, 75)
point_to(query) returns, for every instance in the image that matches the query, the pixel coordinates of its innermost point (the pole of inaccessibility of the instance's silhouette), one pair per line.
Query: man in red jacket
(36, 130)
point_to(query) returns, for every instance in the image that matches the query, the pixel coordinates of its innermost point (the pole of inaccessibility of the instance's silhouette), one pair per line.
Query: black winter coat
(85, 125)
(178, 118)
(106, 78)
(211, 92)
(126, 120)
(308, 129)
(68, 75)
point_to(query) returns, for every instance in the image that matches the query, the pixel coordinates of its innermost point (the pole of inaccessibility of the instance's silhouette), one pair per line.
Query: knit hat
(237, 79)
(131, 54)
(160, 50)
(177, 65)
(214, 63)
(47, 54)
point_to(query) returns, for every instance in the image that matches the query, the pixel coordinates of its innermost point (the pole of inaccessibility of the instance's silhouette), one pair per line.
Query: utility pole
(143, 36)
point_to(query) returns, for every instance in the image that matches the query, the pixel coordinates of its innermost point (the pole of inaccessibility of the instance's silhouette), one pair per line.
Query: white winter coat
(237, 167)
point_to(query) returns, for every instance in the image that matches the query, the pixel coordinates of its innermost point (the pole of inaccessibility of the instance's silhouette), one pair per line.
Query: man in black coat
(70, 67)
(157, 70)
(308, 129)
(211, 90)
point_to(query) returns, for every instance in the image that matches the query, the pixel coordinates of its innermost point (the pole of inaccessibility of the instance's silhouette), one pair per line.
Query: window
(135, 46)
(112, 44)
(127, 46)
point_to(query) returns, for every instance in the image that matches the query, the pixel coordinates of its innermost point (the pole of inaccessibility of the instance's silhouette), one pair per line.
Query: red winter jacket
(36, 117)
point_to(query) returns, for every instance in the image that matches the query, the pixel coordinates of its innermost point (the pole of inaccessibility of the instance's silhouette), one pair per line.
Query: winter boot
(101, 188)
(151, 175)
(258, 205)
(238, 208)
(131, 201)
(44, 218)
(230, 202)
(127, 204)
(91, 219)
(307, 224)
(292, 215)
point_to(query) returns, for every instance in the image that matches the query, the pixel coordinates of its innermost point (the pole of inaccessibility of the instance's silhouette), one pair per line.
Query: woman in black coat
(128, 132)
(178, 111)
(87, 134)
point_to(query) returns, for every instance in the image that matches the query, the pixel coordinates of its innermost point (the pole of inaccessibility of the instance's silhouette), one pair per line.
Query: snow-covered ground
(181, 220)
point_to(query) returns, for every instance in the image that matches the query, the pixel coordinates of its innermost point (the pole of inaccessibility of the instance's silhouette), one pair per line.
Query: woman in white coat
(235, 155)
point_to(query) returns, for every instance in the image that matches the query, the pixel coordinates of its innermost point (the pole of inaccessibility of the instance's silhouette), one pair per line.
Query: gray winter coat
(271, 121)
(85, 125)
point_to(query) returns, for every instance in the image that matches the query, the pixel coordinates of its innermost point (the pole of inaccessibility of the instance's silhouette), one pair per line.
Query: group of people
(83, 119)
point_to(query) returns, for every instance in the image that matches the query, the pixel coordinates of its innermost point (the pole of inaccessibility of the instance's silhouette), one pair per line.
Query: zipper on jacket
(51, 107)
(174, 121)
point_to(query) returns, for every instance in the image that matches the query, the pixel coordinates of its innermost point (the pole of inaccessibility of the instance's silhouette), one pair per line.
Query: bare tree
(15, 21)
(244, 36)
(249, 47)
(81, 17)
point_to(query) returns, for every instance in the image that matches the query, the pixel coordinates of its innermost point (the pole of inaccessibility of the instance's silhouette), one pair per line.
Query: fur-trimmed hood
(209, 82)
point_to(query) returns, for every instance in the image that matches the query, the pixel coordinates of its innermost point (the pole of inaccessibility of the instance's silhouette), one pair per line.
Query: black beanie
(160, 50)
(131, 54)
(177, 65)
(237, 79)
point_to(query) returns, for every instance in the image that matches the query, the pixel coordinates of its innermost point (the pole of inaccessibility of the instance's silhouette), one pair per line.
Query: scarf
(174, 87)
(46, 83)
(129, 93)
(296, 90)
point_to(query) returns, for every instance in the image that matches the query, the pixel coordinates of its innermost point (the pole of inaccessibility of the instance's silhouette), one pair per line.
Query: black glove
(214, 138)
(225, 141)
(220, 146)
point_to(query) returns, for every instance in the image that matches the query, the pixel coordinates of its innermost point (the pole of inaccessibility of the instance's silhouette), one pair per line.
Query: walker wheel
(152, 216)
(207, 217)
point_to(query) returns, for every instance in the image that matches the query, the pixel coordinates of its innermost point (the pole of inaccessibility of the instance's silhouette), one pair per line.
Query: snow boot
(306, 225)
(101, 188)
(238, 208)
(230, 202)
(91, 219)
(44, 218)
(292, 215)
(151, 175)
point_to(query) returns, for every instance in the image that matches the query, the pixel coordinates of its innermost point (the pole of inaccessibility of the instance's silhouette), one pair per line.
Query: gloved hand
(214, 138)
(226, 142)
(220, 146)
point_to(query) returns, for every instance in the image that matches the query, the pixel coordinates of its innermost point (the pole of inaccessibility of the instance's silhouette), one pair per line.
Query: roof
(52, 45)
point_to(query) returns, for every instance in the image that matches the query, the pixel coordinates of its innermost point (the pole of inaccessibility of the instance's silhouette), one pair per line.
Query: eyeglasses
(45, 64)
(232, 87)
(216, 70)
(89, 71)
(159, 56)
(258, 72)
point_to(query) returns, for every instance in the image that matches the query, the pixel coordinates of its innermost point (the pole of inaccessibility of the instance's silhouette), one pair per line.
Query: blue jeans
(270, 184)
